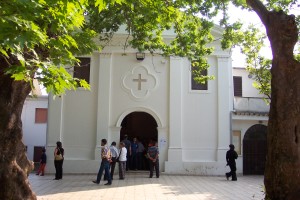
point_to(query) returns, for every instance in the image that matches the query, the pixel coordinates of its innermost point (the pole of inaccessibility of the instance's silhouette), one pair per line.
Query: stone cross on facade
(139, 80)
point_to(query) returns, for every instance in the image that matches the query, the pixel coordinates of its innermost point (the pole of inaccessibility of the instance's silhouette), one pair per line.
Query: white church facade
(154, 98)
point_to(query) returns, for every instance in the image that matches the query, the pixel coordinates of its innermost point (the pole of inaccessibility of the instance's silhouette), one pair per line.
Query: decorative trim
(139, 82)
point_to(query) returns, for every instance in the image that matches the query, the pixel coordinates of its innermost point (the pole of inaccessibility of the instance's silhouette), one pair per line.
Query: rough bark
(282, 174)
(14, 165)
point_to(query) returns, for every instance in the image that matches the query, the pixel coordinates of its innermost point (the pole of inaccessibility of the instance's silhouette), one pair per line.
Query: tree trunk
(282, 175)
(282, 172)
(14, 165)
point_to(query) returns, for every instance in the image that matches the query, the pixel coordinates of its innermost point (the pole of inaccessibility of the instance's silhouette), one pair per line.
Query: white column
(104, 88)
(175, 123)
(224, 105)
(55, 120)
(54, 127)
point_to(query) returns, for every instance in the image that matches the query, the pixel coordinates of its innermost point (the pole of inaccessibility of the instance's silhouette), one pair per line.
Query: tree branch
(260, 9)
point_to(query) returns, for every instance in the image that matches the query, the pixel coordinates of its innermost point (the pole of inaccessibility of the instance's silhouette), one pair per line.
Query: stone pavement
(137, 186)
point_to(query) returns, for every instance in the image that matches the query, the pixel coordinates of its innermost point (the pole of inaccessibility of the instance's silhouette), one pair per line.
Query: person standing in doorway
(139, 155)
(153, 153)
(134, 147)
(128, 148)
(43, 161)
(122, 161)
(59, 153)
(231, 156)
(105, 163)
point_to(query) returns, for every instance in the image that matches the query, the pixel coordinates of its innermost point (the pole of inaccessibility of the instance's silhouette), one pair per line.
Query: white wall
(34, 134)
(199, 118)
(248, 89)
(73, 119)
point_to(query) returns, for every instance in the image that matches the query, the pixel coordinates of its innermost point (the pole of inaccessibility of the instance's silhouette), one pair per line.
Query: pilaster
(104, 88)
(175, 124)
(55, 120)
(224, 75)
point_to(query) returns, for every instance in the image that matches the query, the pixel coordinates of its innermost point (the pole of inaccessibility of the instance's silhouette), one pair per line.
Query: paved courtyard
(137, 186)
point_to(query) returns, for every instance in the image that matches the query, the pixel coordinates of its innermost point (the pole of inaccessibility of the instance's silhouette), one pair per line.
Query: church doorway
(142, 126)
(255, 150)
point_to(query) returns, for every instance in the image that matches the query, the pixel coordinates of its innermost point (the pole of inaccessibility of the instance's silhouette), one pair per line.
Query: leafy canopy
(39, 38)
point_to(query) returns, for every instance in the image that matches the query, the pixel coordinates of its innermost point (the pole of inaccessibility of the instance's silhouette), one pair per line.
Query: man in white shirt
(122, 161)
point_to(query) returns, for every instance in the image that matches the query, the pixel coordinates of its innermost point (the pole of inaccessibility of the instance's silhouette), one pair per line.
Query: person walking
(114, 155)
(122, 161)
(231, 156)
(43, 162)
(59, 153)
(153, 153)
(105, 163)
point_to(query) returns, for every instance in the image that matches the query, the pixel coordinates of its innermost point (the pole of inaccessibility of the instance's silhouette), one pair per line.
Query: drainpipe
(230, 127)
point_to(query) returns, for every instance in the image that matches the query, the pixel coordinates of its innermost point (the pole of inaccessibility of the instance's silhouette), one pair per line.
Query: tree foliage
(44, 36)
(251, 41)
(39, 38)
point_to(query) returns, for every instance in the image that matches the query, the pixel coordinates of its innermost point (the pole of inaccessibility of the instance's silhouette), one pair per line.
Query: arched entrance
(255, 150)
(142, 126)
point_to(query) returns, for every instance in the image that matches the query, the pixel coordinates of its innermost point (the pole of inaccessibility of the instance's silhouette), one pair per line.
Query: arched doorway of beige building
(143, 126)
(255, 150)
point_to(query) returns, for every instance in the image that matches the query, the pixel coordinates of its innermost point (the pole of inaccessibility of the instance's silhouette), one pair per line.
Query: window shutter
(41, 115)
(238, 86)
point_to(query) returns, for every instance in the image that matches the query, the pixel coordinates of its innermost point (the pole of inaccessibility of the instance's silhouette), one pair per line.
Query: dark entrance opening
(255, 150)
(142, 126)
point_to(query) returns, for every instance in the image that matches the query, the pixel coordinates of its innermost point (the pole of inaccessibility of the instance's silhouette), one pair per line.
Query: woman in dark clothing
(58, 160)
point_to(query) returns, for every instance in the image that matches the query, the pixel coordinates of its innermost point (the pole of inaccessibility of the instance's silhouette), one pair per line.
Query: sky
(238, 59)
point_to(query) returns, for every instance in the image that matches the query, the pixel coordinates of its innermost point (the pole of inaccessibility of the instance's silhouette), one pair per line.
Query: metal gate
(255, 150)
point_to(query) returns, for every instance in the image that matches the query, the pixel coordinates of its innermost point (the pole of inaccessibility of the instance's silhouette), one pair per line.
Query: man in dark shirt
(231, 155)
(134, 147)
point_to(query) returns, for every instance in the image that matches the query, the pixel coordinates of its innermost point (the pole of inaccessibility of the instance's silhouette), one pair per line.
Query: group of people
(136, 154)
(58, 161)
(128, 153)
